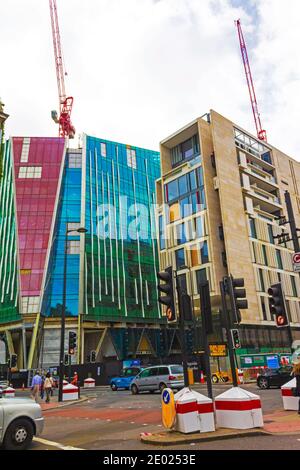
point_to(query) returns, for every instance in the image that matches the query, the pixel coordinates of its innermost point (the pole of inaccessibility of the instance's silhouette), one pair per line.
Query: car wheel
(18, 435)
(134, 389)
(214, 379)
(263, 383)
(151, 391)
(162, 386)
(113, 387)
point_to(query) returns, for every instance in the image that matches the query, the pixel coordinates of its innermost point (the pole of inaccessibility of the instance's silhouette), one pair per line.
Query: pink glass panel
(35, 201)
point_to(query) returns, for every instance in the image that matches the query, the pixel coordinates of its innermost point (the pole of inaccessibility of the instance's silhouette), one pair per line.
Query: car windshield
(177, 369)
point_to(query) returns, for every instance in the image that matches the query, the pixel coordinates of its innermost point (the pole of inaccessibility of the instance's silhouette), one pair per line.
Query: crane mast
(261, 134)
(66, 128)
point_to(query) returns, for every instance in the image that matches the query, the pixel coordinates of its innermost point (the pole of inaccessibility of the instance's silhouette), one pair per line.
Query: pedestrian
(48, 384)
(75, 379)
(42, 391)
(296, 373)
(35, 386)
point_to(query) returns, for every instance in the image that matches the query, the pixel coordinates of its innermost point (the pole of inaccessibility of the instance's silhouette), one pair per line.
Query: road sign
(296, 262)
(168, 408)
(218, 350)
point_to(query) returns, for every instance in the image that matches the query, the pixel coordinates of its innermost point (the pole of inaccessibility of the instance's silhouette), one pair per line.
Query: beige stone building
(219, 197)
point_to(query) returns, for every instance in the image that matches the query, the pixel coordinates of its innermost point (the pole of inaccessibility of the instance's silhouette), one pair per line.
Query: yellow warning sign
(168, 408)
(144, 346)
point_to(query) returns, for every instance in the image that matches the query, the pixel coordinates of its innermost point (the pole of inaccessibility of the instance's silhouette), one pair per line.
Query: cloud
(140, 69)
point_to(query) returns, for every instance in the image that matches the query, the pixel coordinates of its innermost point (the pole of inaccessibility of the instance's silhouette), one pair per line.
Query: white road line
(54, 444)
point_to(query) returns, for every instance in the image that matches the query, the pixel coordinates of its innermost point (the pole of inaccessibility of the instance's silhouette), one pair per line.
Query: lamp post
(63, 313)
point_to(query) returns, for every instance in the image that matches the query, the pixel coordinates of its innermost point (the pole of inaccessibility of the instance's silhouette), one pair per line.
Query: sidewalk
(276, 423)
(54, 403)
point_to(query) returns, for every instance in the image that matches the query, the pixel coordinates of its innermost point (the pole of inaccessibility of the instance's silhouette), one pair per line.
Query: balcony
(263, 200)
(262, 179)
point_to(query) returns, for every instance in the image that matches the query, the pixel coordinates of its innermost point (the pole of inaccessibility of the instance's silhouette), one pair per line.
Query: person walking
(296, 373)
(48, 384)
(75, 379)
(35, 386)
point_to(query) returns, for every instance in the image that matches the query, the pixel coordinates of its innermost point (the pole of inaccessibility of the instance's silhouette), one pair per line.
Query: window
(294, 288)
(253, 233)
(200, 176)
(30, 304)
(73, 226)
(201, 276)
(131, 158)
(25, 150)
(261, 280)
(186, 150)
(182, 282)
(263, 308)
(266, 157)
(179, 258)
(30, 172)
(279, 259)
(172, 190)
(145, 373)
(103, 149)
(195, 255)
(73, 247)
(75, 160)
(174, 212)
(183, 185)
(271, 236)
(204, 253)
(181, 234)
(193, 180)
(199, 227)
(264, 251)
(163, 371)
(162, 241)
(185, 207)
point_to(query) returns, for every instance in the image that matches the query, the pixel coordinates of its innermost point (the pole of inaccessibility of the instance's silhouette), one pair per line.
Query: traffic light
(189, 341)
(236, 342)
(237, 295)
(72, 342)
(187, 308)
(168, 289)
(66, 359)
(13, 360)
(277, 305)
(93, 356)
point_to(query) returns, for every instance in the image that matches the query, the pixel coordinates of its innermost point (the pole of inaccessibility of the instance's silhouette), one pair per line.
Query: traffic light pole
(63, 325)
(182, 333)
(225, 316)
(204, 306)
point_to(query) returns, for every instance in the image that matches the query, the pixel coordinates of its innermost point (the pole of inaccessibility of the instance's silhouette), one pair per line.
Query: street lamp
(63, 313)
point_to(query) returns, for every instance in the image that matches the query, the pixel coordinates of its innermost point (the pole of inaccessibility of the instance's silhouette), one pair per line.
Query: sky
(141, 69)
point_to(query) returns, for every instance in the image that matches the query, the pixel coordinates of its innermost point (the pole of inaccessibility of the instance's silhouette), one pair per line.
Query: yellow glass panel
(174, 212)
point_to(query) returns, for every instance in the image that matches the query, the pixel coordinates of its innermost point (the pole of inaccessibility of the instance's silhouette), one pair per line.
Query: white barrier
(89, 383)
(70, 392)
(238, 409)
(9, 392)
(194, 412)
(289, 401)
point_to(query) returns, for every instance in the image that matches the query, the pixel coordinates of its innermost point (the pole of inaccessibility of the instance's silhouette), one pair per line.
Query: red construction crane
(66, 128)
(261, 134)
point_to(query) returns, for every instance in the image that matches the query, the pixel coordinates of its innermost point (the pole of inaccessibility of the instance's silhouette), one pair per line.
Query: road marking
(54, 444)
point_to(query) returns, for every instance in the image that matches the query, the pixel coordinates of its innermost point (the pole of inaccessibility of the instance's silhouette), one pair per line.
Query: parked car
(157, 378)
(274, 377)
(124, 380)
(20, 420)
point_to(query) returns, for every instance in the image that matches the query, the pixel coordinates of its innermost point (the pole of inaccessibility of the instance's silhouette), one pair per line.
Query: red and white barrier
(89, 383)
(194, 412)
(9, 392)
(70, 392)
(241, 376)
(238, 409)
(289, 401)
(65, 382)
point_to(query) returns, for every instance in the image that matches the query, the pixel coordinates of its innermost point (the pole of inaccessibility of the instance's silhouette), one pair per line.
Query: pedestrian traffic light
(93, 356)
(236, 342)
(277, 305)
(167, 288)
(72, 342)
(13, 360)
(66, 359)
(237, 294)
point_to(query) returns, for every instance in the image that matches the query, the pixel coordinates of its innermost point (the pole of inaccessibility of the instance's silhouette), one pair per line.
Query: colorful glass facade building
(49, 192)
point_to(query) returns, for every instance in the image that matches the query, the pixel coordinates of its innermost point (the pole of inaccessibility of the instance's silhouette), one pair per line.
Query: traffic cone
(202, 381)
(23, 386)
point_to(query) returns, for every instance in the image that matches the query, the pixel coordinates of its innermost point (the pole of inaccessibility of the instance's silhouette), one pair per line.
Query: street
(114, 421)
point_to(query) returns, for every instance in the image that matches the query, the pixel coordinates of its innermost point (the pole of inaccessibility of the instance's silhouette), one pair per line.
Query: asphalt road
(114, 421)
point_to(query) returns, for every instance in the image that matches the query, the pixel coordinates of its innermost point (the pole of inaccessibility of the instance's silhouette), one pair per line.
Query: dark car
(274, 377)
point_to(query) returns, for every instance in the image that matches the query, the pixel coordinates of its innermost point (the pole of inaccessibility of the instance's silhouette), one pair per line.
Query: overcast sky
(141, 69)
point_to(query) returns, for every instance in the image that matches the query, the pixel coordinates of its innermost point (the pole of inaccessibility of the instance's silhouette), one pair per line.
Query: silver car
(20, 420)
(157, 378)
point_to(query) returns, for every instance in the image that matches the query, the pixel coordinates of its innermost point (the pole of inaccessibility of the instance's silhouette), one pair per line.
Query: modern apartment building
(219, 196)
(48, 191)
